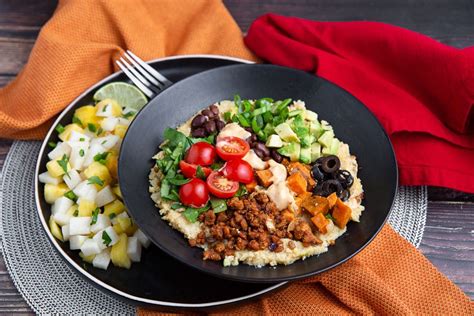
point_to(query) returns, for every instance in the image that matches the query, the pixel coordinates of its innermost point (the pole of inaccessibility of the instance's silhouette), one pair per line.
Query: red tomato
(231, 147)
(220, 186)
(201, 153)
(194, 193)
(238, 170)
(189, 170)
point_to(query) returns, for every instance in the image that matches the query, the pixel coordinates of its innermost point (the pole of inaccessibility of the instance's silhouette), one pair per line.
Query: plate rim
(79, 268)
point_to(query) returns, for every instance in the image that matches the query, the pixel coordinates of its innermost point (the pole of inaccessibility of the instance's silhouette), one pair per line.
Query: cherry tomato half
(231, 147)
(201, 153)
(189, 170)
(194, 193)
(220, 186)
(238, 170)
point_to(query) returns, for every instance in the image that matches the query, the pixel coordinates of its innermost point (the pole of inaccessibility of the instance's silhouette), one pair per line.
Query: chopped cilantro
(75, 120)
(92, 127)
(106, 238)
(63, 163)
(95, 215)
(95, 180)
(52, 144)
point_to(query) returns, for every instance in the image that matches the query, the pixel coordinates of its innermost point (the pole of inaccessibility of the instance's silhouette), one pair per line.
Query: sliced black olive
(344, 195)
(318, 189)
(319, 161)
(345, 178)
(330, 186)
(330, 164)
(317, 174)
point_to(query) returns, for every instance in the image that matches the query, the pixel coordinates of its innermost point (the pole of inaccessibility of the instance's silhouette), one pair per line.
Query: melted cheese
(278, 171)
(280, 194)
(254, 160)
(233, 129)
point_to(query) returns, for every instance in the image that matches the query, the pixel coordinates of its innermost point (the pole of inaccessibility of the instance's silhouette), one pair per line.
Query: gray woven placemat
(50, 286)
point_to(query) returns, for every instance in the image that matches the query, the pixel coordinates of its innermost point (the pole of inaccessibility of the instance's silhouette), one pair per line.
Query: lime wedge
(127, 95)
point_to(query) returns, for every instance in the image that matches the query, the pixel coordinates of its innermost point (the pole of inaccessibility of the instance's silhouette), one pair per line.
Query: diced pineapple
(130, 231)
(86, 114)
(108, 108)
(118, 229)
(112, 164)
(53, 192)
(116, 207)
(55, 169)
(116, 190)
(85, 258)
(56, 230)
(120, 130)
(64, 136)
(72, 210)
(86, 207)
(99, 170)
(119, 255)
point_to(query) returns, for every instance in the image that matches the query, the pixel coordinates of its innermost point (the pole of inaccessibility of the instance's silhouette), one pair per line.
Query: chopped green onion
(52, 144)
(112, 215)
(243, 121)
(71, 195)
(200, 173)
(101, 158)
(128, 114)
(59, 128)
(63, 163)
(81, 152)
(75, 120)
(92, 127)
(95, 215)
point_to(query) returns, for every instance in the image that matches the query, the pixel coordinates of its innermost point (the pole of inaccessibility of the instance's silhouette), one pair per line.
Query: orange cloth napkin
(78, 46)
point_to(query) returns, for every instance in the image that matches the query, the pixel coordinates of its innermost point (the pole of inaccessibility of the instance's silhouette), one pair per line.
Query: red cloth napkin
(420, 90)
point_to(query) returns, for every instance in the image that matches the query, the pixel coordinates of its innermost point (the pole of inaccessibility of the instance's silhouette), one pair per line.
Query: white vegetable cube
(59, 151)
(114, 238)
(102, 259)
(62, 218)
(65, 231)
(101, 223)
(45, 177)
(107, 142)
(79, 225)
(79, 151)
(61, 205)
(72, 179)
(105, 196)
(108, 124)
(86, 191)
(75, 242)
(94, 149)
(142, 238)
(134, 249)
(78, 137)
(99, 239)
(90, 247)
(121, 215)
(123, 121)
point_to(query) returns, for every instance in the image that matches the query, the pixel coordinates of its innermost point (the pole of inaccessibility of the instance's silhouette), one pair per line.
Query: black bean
(220, 125)
(258, 152)
(266, 158)
(198, 132)
(214, 109)
(253, 137)
(198, 120)
(210, 127)
(248, 129)
(276, 156)
(345, 178)
(207, 113)
(261, 146)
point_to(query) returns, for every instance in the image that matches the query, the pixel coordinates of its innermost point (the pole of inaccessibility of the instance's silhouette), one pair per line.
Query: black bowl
(352, 122)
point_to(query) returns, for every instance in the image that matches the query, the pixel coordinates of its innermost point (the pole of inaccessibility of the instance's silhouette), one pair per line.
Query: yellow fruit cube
(118, 254)
(55, 229)
(103, 106)
(120, 130)
(118, 229)
(85, 258)
(98, 170)
(116, 190)
(86, 207)
(131, 229)
(116, 207)
(112, 163)
(53, 192)
(86, 114)
(73, 210)
(55, 169)
(64, 136)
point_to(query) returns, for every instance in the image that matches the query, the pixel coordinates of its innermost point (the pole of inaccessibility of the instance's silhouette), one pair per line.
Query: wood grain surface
(448, 241)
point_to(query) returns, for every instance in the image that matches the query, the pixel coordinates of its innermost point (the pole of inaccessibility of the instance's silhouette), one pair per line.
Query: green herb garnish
(329, 216)
(128, 114)
(106, 238)
(218, 205)
(52, 144)
(178, 180)
(217, 165)
(75, 120)
(63, 163)
(81, 152)
(71, 195)
(92, 127)
(82, 139)
(59, 128)
(101, 158)
(95, 215)
(176, 206)
(95, 180)
(192, 213)
(99, 131)
(76, 213)
(200, 173)
(242, 191)
(112, 215)
(105, 108)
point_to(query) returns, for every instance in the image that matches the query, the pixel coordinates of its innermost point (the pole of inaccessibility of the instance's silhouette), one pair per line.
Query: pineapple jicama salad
(81, 180)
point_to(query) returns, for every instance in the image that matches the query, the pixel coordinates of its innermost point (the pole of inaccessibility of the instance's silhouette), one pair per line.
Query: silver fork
(147, 79)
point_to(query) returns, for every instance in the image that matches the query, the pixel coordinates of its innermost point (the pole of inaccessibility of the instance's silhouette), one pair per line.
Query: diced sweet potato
(332, 198)
(297, 183)
(341, 214)
(320, 222)
(288, 215)
(305, 171)
(251, 186)
(264, 177)
(316, 204)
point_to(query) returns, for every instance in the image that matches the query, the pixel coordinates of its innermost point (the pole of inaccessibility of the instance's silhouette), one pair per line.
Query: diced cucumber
(307, 140)
(295, 113)
(333, 148)
(274, 141)
(292, 150)
(305, 155)
(315, 129)
(315, 151)
(326, 138)
(310, 115)
(325, 126)
(286, 133)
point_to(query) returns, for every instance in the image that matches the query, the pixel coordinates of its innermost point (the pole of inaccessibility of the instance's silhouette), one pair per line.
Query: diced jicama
(65, 231)
(99, 239)
(108, 108)
(78, 137)
(114, 238)
(62, 218)
(79, 151)
(108, 124)
(107, 142)
(85, 258)
(85, 190)
(79, 225)
(93, 151)
(104, 196)
(90, 247)
(72, 179)
(102, 223)
(75, 242)
(59, 151)
(102, 259)
(123, 121)
(45, 177)
(134, 249)
(121, 215)
(142, 238)
(61, 205)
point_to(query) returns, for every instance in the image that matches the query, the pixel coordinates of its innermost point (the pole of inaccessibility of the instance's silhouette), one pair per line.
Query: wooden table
(448, 241)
